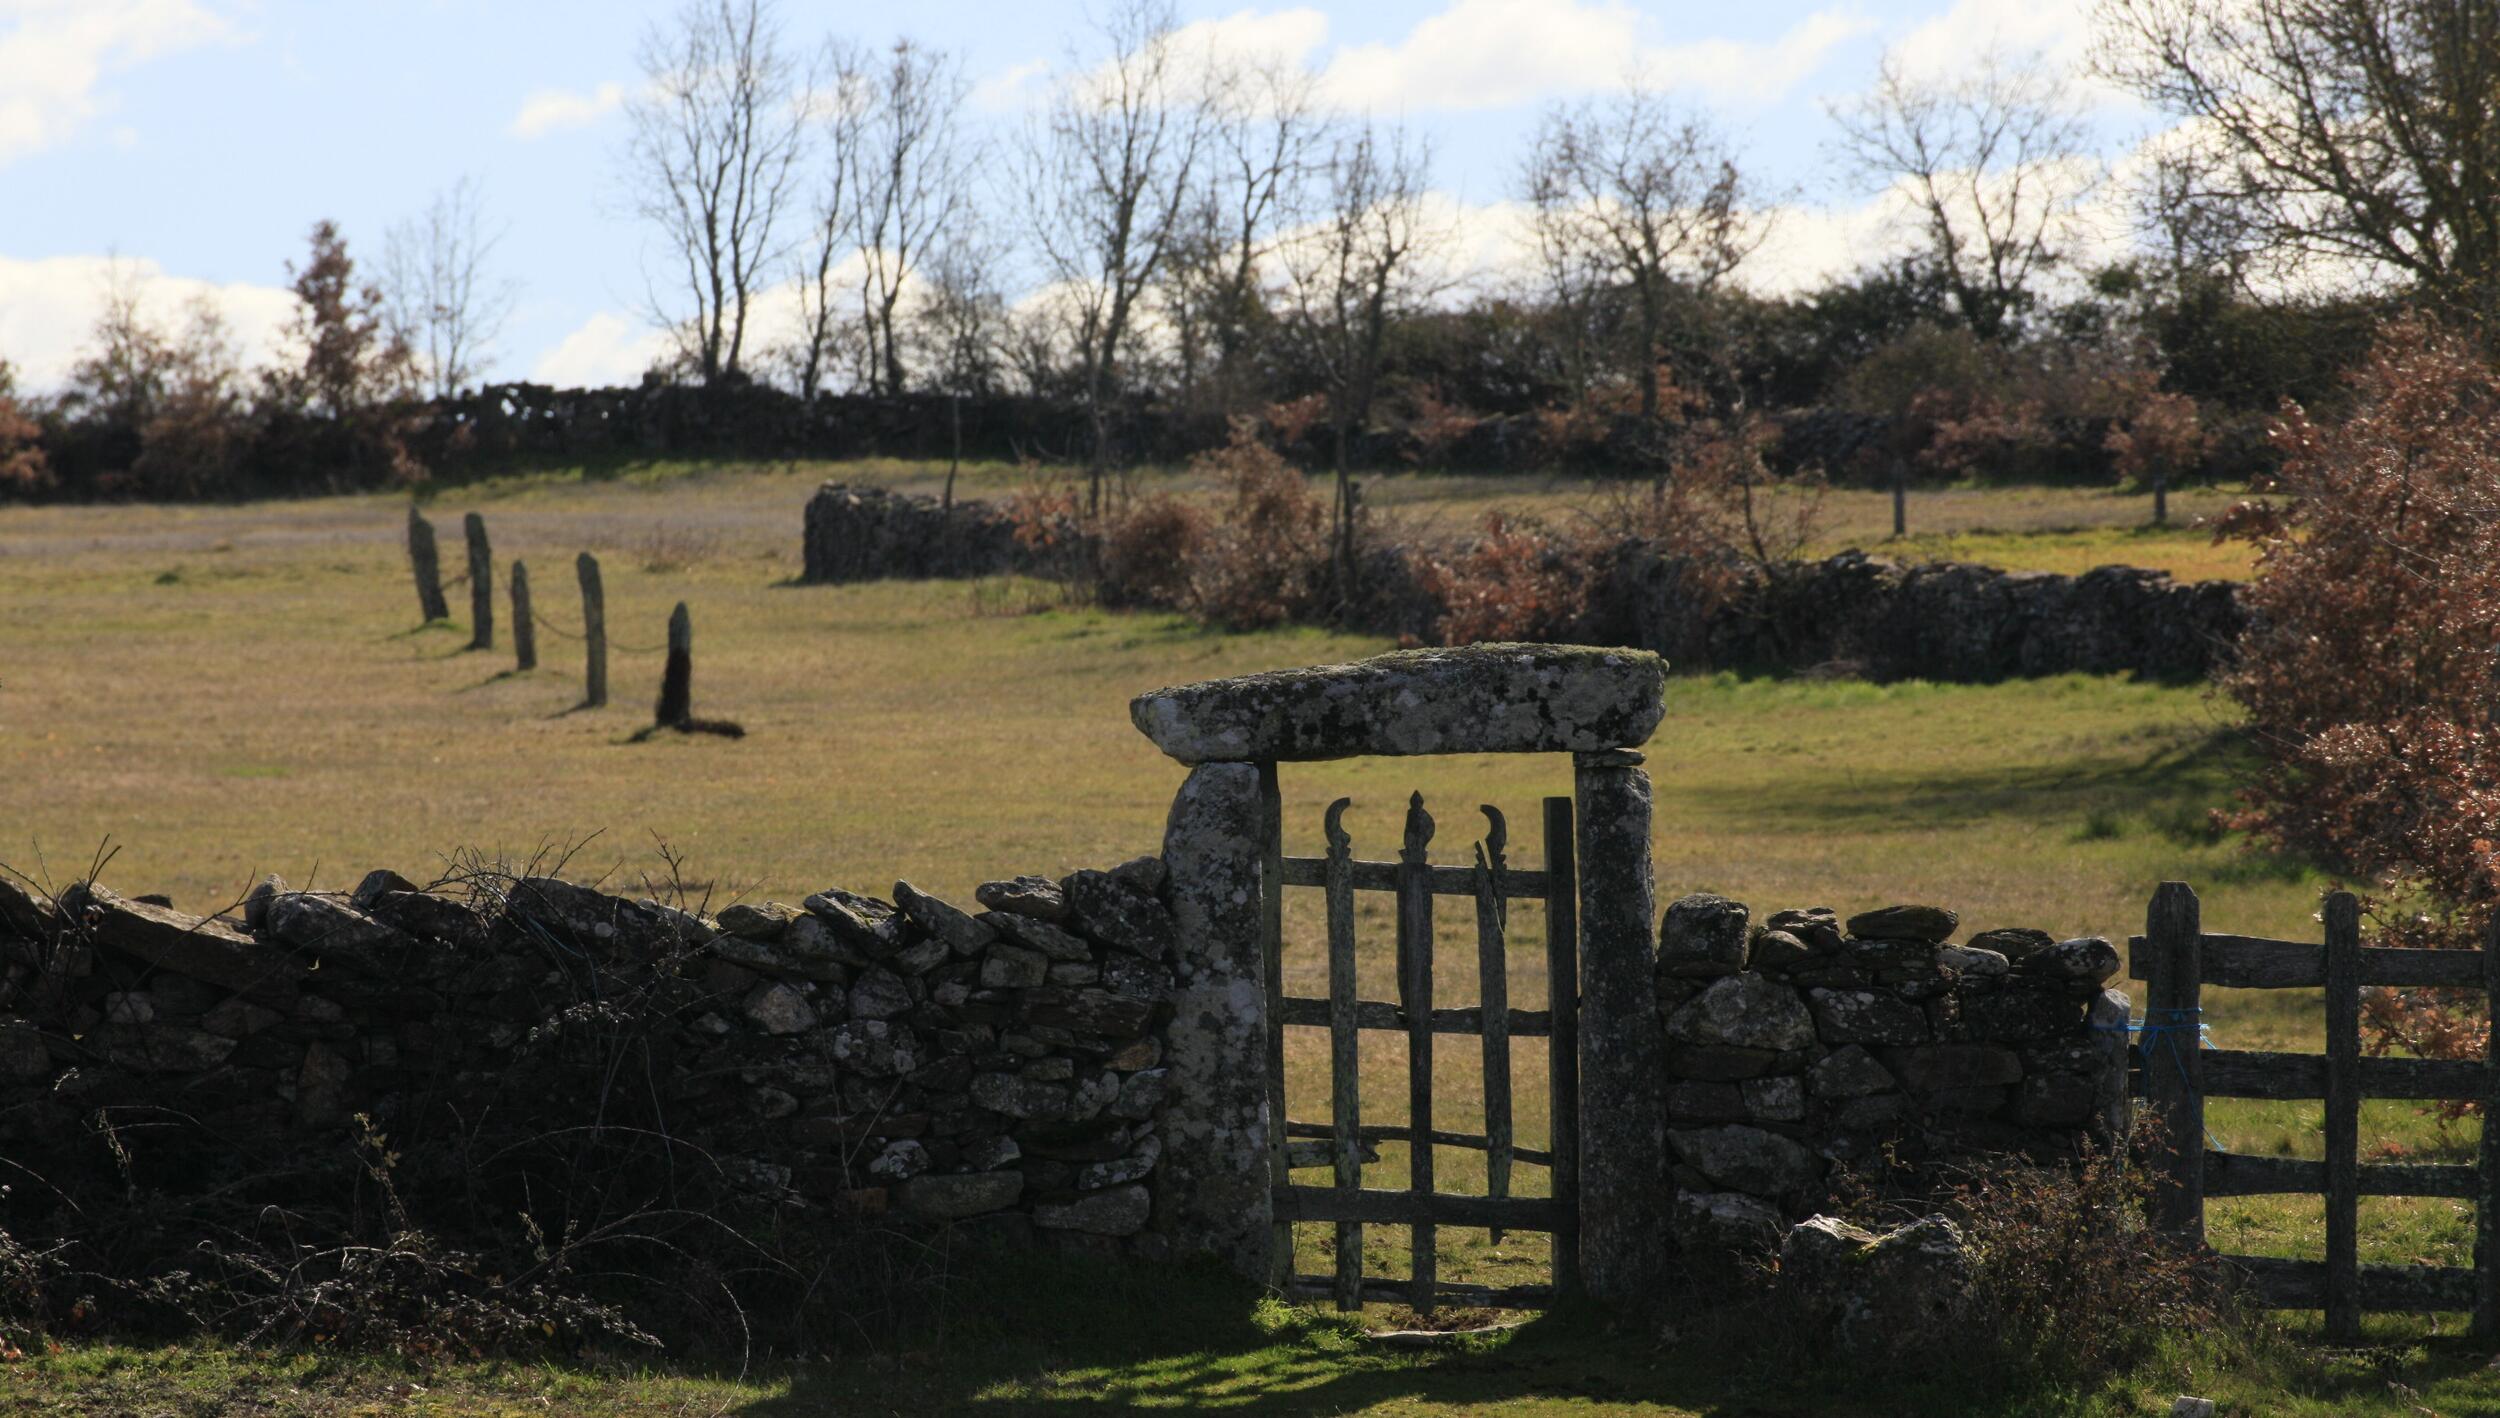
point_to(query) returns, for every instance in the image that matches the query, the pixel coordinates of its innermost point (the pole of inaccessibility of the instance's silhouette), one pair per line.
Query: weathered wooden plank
(1441, 1137)
(2248, 1073)
(2175, 1078)
(2343, 1118)
(2237, 1174)
(2281, 1284)
(2256, 963)
(1383, 876)
(1508, 1297)
(1494, 1297)
(1382, 1015)
(2487, 1190)
(1415, 994)
(1493, 987)
(1345, 1059)
(1517, 1213)
(1562, 994)
(1272, 953)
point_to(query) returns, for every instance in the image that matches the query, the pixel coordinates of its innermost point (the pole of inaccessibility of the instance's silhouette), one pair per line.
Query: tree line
(1201, 232)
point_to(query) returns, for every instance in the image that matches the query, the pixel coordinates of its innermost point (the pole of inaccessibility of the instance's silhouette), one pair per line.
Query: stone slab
(1469, 699)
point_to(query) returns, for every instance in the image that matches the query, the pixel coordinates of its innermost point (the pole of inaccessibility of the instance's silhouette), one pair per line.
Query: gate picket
(1415, 997)
(1345, 1057)
(1493, 989)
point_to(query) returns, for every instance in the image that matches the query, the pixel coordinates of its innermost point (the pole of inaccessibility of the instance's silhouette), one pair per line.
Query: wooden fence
(1491, 883)
(2177, 957)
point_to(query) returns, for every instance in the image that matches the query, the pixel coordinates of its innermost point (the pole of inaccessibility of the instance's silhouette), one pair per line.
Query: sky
(198, 141)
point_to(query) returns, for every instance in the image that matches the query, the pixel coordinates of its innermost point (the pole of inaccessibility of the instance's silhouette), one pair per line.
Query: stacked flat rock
(896, 1053)
(1803, 1042)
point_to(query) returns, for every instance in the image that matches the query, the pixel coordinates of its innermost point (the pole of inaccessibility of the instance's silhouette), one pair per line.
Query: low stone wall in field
(1804, 1045)
(900, 1057)
(1851, 613)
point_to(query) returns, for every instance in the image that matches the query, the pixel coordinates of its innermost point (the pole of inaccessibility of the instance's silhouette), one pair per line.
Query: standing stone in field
(481, 585)
(677, 680)
(426, 559)
(594, 631)
(524, 631)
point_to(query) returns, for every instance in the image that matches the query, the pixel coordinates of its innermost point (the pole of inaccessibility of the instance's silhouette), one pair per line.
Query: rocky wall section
(1804, 1045)
(894, 1057)
(1948, 621)
(1852, 614)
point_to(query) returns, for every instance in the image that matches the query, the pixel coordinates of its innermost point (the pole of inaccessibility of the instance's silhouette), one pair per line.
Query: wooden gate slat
(2302, 1284)
(2343, 1117)
(1525, 1213)
(1345, 1060)
(1384, 876)
(2252, 1073)
(1415, 994)
(1535, 1157)
(2237, 1174)
(1562, 984)
(1387, 1017)
(1493, 988)
(1508, 1297)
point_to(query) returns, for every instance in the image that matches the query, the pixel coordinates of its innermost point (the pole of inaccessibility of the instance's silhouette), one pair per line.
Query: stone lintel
(1469, 699)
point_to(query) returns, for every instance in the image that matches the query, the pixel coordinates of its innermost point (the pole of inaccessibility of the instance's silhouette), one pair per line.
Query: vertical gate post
(1623, 1139)
(2174, 930)
(1215, 1197)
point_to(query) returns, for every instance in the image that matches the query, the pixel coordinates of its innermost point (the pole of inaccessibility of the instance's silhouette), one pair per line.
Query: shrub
(1148, 546)
(2367, 671)
(1263, 558)
(2074, 1285)
(1518, 581)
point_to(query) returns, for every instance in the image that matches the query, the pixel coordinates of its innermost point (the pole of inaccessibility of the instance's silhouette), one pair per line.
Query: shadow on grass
(1057, 1337)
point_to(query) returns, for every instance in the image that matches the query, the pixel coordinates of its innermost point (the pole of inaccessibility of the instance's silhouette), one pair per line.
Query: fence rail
(1489, 885)
(2178, 958)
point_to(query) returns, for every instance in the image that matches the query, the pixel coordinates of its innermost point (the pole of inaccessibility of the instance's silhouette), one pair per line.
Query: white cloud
(1502, 53)
(48, 308)
(1007, 89)
(54, 55)
(550, 110)
(606, 349)
(1948, 45)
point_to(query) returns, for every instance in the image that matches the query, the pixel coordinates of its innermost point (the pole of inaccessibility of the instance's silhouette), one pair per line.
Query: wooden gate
(2178, 958)
(1491, 884)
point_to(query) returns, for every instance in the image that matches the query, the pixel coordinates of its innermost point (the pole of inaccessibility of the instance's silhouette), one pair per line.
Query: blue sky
(200, 139)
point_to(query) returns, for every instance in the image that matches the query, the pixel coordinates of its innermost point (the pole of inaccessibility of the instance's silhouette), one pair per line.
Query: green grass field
(229, 691)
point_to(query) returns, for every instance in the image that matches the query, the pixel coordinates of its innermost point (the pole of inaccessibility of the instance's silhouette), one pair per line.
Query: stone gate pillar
(1214, 1198)
(1623, 1129)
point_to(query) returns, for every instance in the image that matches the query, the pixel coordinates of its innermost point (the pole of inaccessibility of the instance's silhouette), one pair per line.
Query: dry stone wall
(901, 1056)
(1850, 613)
(1805, 1044)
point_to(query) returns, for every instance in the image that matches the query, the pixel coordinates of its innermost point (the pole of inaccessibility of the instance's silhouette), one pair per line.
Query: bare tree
(1350, 277)
(442, 301)
(1633, 193)
(1107, 175)
(717, 134)
(1994, 163)
(959, 325)
(833, 230)
(2337, 136)
(1266, 133)
(911, 169)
